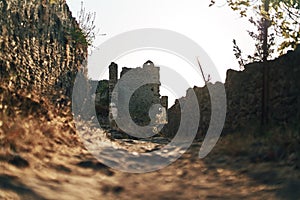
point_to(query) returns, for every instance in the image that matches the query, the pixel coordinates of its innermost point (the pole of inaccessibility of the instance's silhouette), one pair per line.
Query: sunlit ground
(43, 159)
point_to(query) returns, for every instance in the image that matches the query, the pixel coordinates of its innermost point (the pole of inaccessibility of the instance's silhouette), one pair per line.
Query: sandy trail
(64, 170)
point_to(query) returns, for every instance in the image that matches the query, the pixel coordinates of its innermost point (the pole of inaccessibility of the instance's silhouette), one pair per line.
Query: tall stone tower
(113, 78)
(151, 68)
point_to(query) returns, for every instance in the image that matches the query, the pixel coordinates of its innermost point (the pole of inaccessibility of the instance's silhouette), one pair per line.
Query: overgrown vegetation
(87, 31)
(277, 24)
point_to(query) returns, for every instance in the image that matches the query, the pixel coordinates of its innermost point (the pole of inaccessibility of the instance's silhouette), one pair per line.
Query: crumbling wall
(101, 100)
(244, 94)
(144, 97)
(40, 47)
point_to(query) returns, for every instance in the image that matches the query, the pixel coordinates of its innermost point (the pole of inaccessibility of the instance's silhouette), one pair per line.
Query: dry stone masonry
(244, 94)
(144, 97)
(140, 102)
(40, 45)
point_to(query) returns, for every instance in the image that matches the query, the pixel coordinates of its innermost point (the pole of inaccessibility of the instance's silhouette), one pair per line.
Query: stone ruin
(39, 51)
(244, 98)
(243, 92)
(140, 102)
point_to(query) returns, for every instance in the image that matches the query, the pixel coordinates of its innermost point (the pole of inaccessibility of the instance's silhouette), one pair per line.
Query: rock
(222, 159)
(18, 161)
(113, 189)
(96, 166)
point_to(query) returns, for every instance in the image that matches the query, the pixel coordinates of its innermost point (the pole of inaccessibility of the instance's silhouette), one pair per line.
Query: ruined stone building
(141, 100)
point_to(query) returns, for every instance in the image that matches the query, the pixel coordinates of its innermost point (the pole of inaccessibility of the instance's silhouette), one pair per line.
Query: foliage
(238, 54)
(87, 32)
(277, 23)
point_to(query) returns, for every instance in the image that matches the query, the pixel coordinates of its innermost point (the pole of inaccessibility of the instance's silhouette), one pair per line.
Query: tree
(277, 23)
(275, 20)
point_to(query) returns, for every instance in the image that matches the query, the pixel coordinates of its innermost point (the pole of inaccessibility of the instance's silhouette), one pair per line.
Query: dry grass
(32, 124)
(28, 136)
(277, 145)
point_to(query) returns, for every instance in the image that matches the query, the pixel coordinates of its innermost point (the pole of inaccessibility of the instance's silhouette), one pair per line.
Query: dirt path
(68, 171)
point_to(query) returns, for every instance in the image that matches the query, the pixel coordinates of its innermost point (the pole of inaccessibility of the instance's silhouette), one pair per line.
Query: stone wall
(39, 45)
(144, 97)
(101, 98)
(141, 100)
(244, 94)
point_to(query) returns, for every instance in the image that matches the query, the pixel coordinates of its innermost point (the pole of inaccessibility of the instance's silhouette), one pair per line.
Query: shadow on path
(12, 183)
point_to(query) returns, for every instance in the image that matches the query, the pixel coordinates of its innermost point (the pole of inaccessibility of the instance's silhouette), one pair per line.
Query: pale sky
(213, 28)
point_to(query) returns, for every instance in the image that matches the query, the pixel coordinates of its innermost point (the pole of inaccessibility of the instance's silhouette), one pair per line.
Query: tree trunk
(265, 88)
